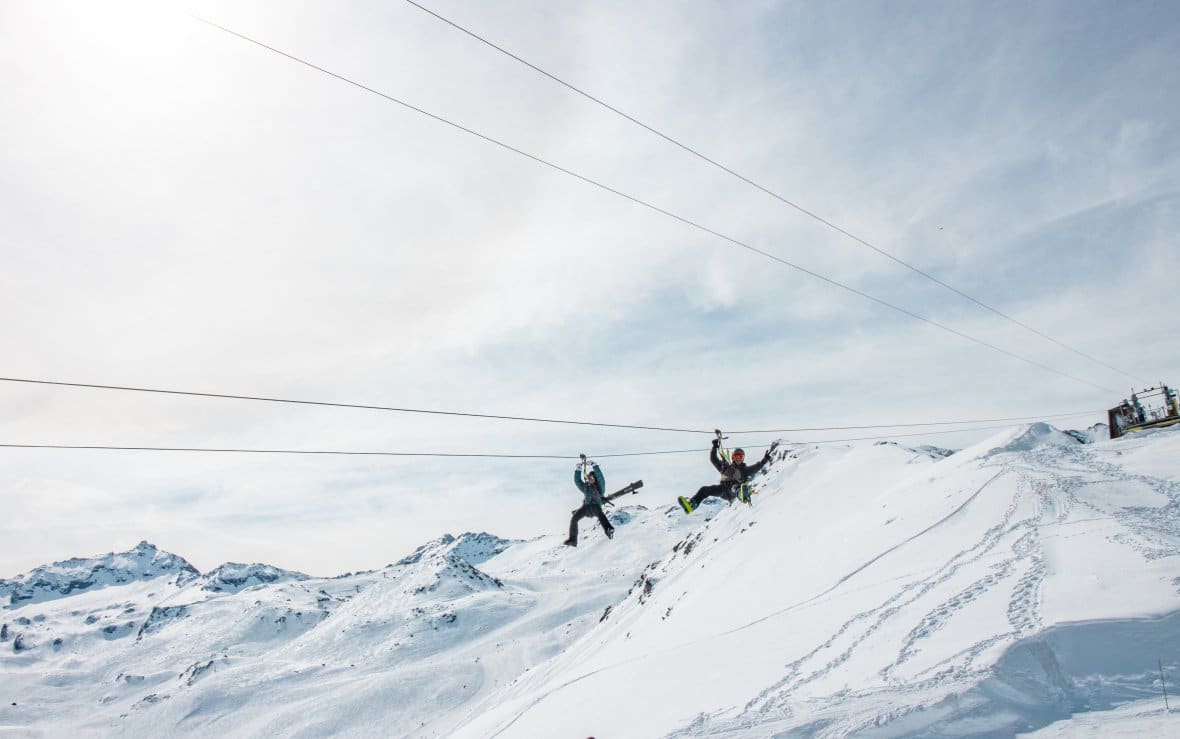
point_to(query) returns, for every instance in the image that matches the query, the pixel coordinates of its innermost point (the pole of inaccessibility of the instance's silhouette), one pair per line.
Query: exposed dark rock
(195, 672)
(1080, 436)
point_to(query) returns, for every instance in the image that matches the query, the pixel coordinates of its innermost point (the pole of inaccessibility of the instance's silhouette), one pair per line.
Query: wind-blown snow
(1029, 582)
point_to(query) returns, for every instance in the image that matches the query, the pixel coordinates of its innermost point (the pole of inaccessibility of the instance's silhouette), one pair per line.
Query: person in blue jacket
(592, 483)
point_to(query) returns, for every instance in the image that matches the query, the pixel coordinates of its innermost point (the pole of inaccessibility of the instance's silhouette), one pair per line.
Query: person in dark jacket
(734, 475)
(592, 483)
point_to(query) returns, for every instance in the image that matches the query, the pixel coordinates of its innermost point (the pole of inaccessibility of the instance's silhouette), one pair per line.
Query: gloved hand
(716, 443)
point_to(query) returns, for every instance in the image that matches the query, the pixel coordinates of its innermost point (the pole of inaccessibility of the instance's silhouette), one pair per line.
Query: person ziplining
(591, 482)
(735, 476)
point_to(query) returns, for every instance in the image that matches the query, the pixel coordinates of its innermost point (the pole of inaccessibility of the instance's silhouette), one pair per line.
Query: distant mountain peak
(933, 452)
(233, 577)
(475, 548)
(479, 548)
(67, 577)
(1035, 435)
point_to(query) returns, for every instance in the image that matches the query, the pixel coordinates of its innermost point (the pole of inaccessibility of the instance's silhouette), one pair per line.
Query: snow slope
(1029, 582)
(875, 591)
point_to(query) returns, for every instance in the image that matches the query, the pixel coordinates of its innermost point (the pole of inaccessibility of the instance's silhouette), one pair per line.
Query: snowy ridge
(474, 548)
(232, 577)
(1097, 432)
(61, 579)
(871, 589)
(1031, 437)
(933, 452)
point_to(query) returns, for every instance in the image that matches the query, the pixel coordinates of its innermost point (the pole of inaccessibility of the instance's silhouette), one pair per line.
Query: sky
(182, 209)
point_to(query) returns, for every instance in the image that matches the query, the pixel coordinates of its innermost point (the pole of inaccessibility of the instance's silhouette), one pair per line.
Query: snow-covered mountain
(233, 577)
(472, 548)
(1030, 582)
(61, 579)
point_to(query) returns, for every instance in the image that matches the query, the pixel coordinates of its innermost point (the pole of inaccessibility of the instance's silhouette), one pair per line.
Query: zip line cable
(330, 404)
(463, 455)
(105, 447)
(462, 414)
(810, 214)
(652, 207)
(914, 425)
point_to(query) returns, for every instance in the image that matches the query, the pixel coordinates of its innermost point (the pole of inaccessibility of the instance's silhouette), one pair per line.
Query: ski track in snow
(773, 702)
(1052, 476)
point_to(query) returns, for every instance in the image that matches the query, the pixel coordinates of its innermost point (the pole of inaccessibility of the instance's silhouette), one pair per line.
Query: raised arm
(715, 458)
(757, 467)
